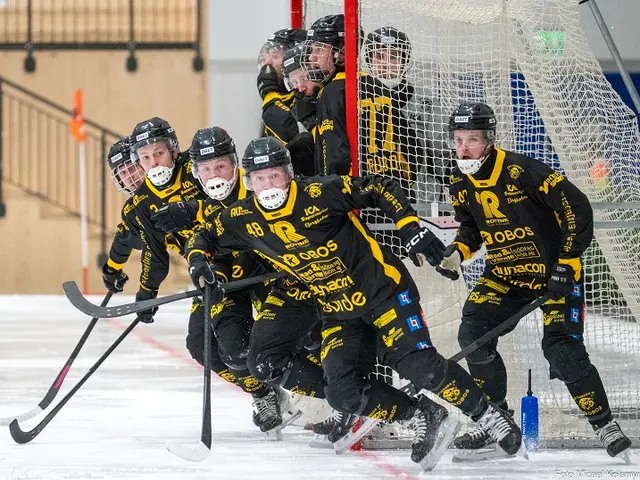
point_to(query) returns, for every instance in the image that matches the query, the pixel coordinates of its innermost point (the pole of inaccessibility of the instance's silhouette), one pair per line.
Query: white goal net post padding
(531, 62)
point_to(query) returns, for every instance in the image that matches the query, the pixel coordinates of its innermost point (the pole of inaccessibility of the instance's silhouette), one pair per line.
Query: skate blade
(479, 455)
(351, 438)
(276, 433)
(446, 433)
(320, 441)
(522, 452)
(625, 456)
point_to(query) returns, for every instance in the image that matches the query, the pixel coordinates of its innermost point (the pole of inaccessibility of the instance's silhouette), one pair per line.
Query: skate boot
(501, 427)
(267, 413)
(342, 423)
(477, 443)
(434, 430)
(321, 430)
(614, 440)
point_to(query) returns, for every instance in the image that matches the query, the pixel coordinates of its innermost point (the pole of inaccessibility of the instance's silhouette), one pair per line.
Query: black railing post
(198, 61)
(3, 208)
(29, 61)
(132, 61)
(103, 255)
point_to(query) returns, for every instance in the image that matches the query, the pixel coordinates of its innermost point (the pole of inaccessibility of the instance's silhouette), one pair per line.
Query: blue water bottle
(529, 419)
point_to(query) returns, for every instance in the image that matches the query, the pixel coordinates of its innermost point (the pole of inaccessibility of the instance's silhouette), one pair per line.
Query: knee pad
(347, 395)
(424, 368)
(269, 368)
(567, 357)
(469, 333)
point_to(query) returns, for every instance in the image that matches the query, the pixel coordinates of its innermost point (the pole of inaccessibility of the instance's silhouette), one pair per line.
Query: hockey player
(306, 226)
(535, 224)
(127, 175)
(277, 118)
(303, 109)
(417, 119)
(169, 178)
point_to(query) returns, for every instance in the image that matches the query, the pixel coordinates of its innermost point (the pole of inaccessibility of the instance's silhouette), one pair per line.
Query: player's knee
(345, 395)
(268, 367)
(195, 346)
(424, 368)
(469, 333)
(567, 357)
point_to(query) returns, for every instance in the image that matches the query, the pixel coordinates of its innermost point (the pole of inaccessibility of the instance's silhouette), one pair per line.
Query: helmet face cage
(391, 46)
(126, 174)
(320, 60)
(288, 169)
(271, 53)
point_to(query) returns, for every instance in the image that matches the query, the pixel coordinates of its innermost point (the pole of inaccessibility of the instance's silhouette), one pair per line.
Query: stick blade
(198, 453)
(34, 412)
(20, 436)
(73, 293)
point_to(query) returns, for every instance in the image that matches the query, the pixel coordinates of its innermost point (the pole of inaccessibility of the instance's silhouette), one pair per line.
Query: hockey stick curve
(57, 383)
(20, 436)
(79, 301)
(201, 451)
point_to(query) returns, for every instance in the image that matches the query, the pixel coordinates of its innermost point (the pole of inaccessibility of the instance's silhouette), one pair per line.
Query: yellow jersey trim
(466, 251)
(493, 178)
(389, 270)
(286, 210)
(168, 191)
(574, 263)
(114, 265)
(407, 220)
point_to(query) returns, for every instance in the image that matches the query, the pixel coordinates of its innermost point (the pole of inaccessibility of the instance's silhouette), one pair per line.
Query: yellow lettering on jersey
(490, 204)
(286, 232)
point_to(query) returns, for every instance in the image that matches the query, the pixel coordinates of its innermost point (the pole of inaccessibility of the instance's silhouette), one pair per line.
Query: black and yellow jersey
(332, 149)
(277, 118)
(148, 199)
(388, 143)
(528, 216)
(124, 240)
(316, 237)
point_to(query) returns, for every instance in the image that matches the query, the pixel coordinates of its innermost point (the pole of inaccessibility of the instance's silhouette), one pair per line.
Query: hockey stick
(203, 449)
(57, 383)
(76, 298)
(20, 436)
(343, 444)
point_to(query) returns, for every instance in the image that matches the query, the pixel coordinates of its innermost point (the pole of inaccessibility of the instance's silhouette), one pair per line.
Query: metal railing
(129, 25)
(39, 156)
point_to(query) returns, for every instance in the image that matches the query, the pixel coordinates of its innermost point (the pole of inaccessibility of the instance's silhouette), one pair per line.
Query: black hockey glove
(420, 241)
(561, 281)
(201, 273)
(450, 263)
(147, 315)
(175, 216)
(302, 150)
(304, 111)
(113, 279)
(267, 81)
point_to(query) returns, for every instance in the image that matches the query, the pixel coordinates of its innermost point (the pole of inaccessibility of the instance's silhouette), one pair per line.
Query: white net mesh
(531, 62)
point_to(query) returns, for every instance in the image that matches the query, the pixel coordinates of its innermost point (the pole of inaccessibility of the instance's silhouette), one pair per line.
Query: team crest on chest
(314, 190)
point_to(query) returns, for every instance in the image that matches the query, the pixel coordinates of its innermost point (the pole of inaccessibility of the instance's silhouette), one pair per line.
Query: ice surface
(149, 392)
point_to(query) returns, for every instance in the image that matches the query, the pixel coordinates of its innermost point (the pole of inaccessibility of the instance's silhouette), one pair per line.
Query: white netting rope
(531, 62)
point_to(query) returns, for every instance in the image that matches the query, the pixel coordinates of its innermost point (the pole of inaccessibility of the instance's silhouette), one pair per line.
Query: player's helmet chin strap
(273, 198)
(219, 188)
(160, 175)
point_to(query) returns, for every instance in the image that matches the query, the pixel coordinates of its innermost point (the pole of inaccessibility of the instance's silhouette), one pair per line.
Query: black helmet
(263, 153)
(152, 131)
(293, 58)
(288, 37)
(473, 116)
(210, 143)
(388, 38)
(126, 174)
(328, 29)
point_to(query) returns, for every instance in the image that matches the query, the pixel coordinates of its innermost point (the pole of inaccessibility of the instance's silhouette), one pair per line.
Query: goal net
(531, 62)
